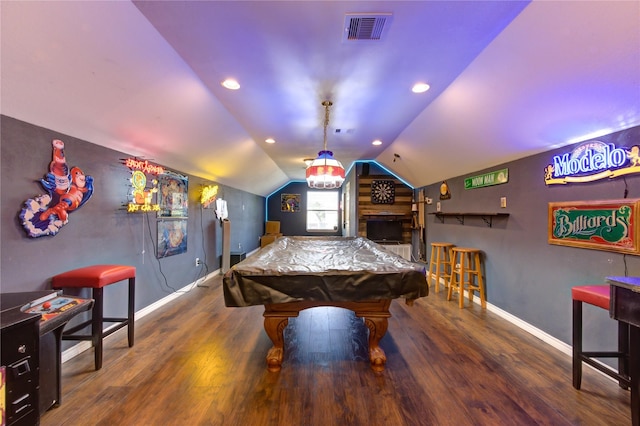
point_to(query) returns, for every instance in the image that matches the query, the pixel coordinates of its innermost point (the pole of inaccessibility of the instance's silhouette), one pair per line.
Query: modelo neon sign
(592, 161)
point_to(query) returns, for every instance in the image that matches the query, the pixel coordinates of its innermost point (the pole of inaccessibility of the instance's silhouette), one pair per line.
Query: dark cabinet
(31, 350)
(20, 358)
(236, 257)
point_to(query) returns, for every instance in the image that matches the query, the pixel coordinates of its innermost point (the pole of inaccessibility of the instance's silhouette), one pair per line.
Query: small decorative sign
(497, 177)
(445, 194)
(592, 161)
(610, 225)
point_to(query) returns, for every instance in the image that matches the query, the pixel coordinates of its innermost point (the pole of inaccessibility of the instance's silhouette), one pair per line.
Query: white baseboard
(546, 338)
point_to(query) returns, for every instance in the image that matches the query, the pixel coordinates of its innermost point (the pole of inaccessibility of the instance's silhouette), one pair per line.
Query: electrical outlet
(503, 202)
(197, 261)
(438, 206)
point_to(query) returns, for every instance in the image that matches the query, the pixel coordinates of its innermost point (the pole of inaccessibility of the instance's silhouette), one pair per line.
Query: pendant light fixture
(325, 172)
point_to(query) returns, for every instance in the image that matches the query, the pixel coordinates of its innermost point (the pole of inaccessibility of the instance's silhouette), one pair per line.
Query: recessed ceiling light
(376, 142)
(420, 87)
(231, 84)
(270, 140)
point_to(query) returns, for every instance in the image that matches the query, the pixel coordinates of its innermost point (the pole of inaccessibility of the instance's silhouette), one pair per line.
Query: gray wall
(101, 231)
(296, 223)
(293, 223)
(526, 276)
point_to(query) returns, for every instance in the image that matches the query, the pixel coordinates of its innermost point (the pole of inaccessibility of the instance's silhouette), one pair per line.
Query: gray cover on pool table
(322, 269)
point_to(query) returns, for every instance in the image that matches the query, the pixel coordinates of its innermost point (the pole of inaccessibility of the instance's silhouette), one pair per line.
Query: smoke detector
(366, 26)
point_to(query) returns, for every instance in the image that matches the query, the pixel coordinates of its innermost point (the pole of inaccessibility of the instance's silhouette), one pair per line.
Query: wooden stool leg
(470, 275)
(462, 281)
(131, 310)
(438, 260)
(452, 277)
(577, 343)
(432, 265)
(446, 267)
(97, 326)
(481, 290)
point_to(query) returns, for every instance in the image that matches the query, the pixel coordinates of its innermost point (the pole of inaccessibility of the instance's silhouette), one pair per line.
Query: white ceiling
(508, 79)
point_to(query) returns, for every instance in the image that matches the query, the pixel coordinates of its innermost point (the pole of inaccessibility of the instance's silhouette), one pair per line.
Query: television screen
(384, 231)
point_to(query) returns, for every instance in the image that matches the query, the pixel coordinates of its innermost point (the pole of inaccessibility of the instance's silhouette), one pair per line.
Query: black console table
(20, 360)
(49, 311)
(625, 306)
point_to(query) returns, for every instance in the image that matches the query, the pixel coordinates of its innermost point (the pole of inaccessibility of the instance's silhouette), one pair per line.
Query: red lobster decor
(67, 190)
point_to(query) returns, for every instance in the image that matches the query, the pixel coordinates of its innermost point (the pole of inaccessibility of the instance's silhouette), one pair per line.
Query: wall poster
(290, 203)
(610, 225)
(173, 199)
(172, 237)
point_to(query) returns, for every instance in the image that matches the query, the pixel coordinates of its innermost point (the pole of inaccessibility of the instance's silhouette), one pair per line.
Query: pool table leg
(377, 328)
(374, 312)
(274, 326)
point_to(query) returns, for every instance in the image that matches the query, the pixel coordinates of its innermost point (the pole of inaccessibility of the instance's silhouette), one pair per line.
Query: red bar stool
(598, 295)
(97, 277)
(466, 272)
(440, 264)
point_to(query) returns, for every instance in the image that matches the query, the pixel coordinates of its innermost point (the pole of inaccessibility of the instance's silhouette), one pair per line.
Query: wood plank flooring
(196, 362)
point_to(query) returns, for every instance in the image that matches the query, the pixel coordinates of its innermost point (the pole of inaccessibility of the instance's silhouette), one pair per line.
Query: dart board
(383, 192)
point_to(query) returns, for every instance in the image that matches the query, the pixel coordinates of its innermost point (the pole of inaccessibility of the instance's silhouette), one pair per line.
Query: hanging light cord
(326, 105)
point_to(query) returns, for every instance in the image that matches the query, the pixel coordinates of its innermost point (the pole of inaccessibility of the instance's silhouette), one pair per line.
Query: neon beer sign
(209, 195)
(592, 161)
(144, 186)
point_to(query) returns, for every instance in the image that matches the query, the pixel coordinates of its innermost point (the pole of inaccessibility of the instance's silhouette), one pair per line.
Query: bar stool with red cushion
(598, 295)
(97, 277)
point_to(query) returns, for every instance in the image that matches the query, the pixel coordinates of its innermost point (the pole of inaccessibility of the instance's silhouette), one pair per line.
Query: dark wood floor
(196, 362)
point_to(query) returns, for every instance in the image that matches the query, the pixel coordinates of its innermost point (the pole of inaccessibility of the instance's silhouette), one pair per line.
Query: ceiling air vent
(366, 26)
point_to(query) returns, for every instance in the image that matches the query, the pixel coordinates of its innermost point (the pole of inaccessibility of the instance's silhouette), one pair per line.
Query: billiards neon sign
(144, 186)
(591, 161)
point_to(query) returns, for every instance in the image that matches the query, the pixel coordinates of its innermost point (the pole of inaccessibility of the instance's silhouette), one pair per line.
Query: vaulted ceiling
(507, 79)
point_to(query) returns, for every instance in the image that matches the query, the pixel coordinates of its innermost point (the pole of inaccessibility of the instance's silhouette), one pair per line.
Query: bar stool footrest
(623, 380)
(76, 328)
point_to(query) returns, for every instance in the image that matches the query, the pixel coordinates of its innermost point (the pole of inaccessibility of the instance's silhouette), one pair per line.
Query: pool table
(296, 273)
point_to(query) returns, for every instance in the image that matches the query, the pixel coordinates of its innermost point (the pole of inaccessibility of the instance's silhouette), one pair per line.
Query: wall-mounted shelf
(407, 215)
(487, 217)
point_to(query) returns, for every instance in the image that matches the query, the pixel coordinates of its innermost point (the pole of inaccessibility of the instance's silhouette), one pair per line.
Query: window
(322, 210)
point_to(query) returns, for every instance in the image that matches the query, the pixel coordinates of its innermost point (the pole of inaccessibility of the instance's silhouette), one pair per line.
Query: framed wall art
(610, 225)
(290, 203)
(173, 197)
(172, 237)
